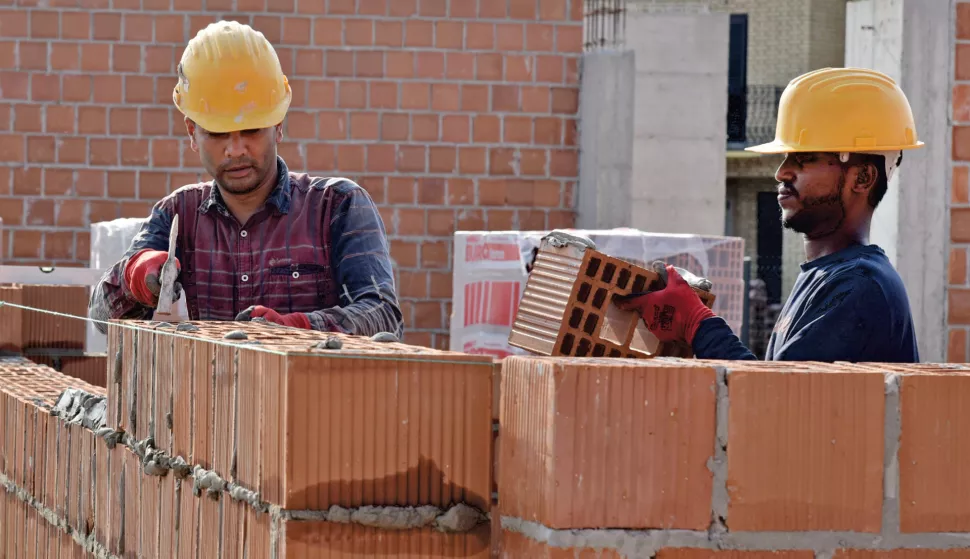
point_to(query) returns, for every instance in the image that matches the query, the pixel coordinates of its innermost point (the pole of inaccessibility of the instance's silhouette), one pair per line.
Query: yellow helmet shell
(230, 79)
(843, 110)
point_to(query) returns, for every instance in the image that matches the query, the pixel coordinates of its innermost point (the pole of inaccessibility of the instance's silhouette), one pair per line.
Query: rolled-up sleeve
(111, 298)
(360, 258)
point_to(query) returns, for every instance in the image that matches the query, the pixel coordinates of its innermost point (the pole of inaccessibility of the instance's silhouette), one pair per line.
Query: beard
(240, 185)
(819, 215)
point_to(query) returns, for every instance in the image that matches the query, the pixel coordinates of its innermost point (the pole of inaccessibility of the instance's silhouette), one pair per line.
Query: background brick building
(453, 114)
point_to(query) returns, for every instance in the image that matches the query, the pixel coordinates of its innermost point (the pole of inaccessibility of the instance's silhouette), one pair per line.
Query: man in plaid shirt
(297, 250)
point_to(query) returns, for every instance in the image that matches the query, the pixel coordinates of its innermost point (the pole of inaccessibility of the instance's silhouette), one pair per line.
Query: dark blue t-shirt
(847, 306)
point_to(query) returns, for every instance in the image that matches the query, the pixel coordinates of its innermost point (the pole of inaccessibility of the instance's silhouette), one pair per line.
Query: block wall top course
(32, 382)
(294, 341)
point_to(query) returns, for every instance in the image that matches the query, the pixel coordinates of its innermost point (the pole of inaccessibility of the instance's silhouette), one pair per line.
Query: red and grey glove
(142, 275)
(673, 313)
(295, 320)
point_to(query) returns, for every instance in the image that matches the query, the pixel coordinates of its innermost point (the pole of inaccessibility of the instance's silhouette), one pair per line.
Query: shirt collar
(278, 198)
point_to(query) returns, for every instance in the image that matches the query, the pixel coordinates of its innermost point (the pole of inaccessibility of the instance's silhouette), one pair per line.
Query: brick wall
(958, 287)
(257, 444)
(453, 114)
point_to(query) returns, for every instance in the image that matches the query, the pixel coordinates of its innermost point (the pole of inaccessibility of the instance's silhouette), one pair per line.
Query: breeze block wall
(453, 114)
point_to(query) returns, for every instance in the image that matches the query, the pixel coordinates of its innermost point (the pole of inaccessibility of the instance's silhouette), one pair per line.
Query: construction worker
(258, 239)
(842, 132)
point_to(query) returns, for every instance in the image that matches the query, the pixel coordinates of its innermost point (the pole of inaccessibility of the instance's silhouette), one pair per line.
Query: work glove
(294, 320)
(143, 273)
(672, 313)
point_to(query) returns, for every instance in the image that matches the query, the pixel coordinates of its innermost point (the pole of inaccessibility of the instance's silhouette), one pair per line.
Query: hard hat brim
(777, 147)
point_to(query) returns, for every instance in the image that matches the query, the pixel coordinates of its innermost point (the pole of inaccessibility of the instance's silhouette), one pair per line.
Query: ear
(865, 178)
(279, 132)
(190, 130)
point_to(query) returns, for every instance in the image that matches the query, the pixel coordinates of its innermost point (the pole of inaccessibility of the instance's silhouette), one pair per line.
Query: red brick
(43, 24)
(959, 184)
(15, 23)
(418, 33)
(539, 37)
(957, 268)
(14, 84)
(449, 34)
(783, 476)
(956, 351)
(569, 39)
(960, 225)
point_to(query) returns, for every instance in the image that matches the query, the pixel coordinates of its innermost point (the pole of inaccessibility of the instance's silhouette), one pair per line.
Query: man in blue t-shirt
(842, 132)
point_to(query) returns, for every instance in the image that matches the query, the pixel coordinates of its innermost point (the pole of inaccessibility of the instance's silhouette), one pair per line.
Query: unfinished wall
(261, 442)
(453, 114)
(680, 125)
(731, 460)
(267, 442)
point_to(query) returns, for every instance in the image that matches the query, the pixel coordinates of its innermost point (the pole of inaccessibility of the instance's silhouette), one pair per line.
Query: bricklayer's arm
(361, 261)
(848, 318)
(111, 298)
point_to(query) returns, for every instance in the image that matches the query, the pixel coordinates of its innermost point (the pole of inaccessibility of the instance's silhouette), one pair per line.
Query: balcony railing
(752, 114)
(604, 23)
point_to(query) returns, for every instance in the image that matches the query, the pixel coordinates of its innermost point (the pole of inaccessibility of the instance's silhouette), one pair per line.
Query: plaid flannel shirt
(317, 246)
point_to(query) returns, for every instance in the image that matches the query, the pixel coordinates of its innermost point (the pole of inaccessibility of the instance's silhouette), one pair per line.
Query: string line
(402, 357)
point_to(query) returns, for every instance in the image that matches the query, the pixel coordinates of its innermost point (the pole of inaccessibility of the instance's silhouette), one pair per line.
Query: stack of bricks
(682, 458)
(266, 442)
(49, 339)
(567, 308)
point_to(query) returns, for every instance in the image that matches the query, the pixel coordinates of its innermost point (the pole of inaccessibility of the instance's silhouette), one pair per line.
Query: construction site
(533, 163)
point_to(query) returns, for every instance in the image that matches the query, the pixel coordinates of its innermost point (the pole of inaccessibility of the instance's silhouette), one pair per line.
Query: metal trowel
(171, 306)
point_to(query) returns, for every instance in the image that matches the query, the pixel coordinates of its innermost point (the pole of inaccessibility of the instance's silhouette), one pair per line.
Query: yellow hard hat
(230, 79)
(843, 110)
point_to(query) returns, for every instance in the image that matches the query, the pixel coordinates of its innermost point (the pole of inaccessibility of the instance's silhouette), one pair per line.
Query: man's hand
(142, 275)
(672, 313)
(295, 320)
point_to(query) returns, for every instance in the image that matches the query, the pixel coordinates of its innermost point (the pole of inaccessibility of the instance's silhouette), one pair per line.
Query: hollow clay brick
(258, 527)
(116, 355)
(322, 540)
(224, 418)
(247, 433)
(271, 407)
(102, 500)
(383, 432)
(117, 493)
(566, 308)
(47, 331)
(144, 396)
(166, 517)
(233, 528)
(188, 504)
(162, 400)
(91, 368)
(209, 530)
(182, 396)
(11, 320)
(133, 504)
(577, 437)
(202, 404)
(148, 519)
(934, 482)
(805, 449)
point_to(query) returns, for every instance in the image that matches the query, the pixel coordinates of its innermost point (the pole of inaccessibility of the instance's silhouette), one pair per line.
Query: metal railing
(752, 115)
(604, 22)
